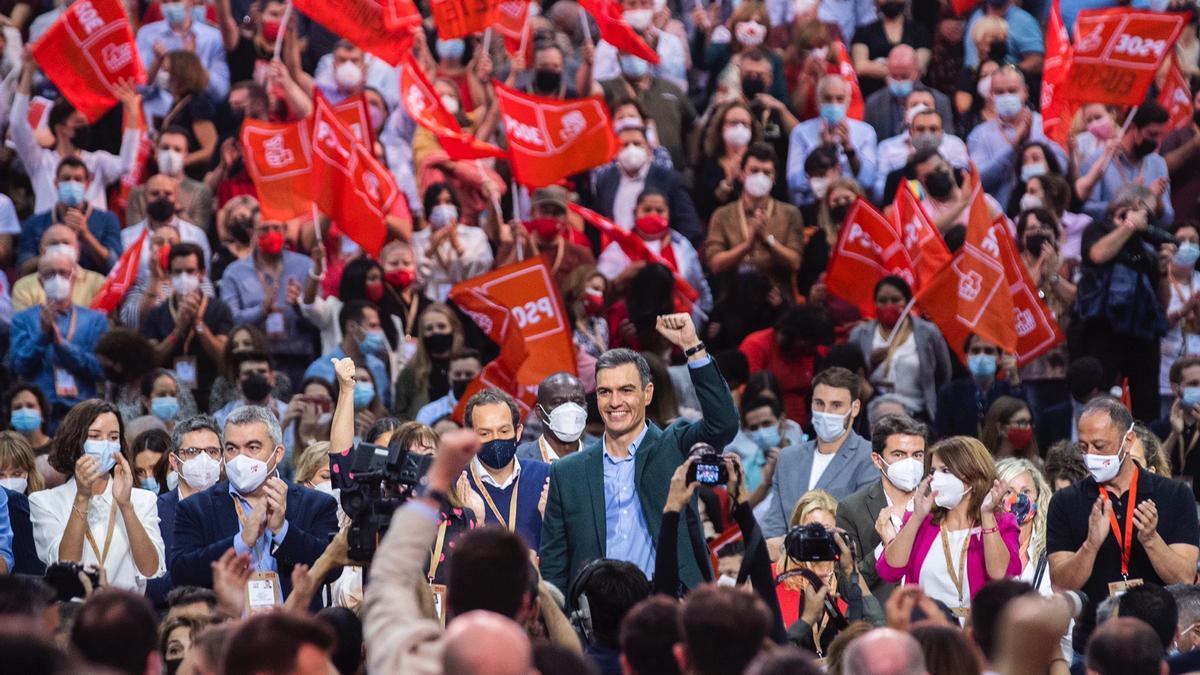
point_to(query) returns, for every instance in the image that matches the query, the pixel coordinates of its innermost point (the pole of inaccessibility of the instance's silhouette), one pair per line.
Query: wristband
(989, 530)
(694, 350)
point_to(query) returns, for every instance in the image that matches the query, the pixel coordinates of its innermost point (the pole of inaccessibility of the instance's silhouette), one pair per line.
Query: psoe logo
(116, 57)
(533, 312)
(276, 153)
(970, 285)
(573, 124)
(1024, 321)
(523, 132)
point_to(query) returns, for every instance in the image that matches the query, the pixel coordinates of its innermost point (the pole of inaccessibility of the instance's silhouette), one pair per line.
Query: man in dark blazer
(962, 403)
(898, 451)
(607, 501)
(278, 523)
(25, 560)
(640, 176)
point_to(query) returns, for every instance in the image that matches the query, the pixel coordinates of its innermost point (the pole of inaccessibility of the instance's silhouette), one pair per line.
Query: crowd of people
(762, 479)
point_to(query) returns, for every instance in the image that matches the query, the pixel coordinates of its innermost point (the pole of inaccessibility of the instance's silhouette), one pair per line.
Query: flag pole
(903, 316)
(487, 41)
(283, 27)
(525, 30)
(316, 219)
(516, 216)
(587, 32)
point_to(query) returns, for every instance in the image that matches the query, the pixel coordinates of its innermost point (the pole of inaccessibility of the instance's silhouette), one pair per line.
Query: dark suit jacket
(573, 529)
(25, 559)
(157, 589)
(856, 515)
(957, 410)
(206, 523)
(684, 218)
(1055, 424)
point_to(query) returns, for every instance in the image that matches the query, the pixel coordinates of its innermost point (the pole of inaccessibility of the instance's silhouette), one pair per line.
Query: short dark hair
(1065, 462)
(1150, 113)
(128, 349)
(22, 596)
(1156, 606)
(488, 569)
(74, 163)
(891, 425)
(433, 192)
(354, 310)
(734, 365)
(72, 432)
(1176, 374)
(33, 655)
(117, 629)
(838, 378)
(491, 396)
(250, 357)
(763, 152)
(1084, 376)
(190, 595)
(895, 282)
(786, 660)
(194, 423)
(615, 358)
(762, 402)
(986, 608)
(648, 634)
(60, 112)
(723, 629)
(185, 248)
(348, 654)
(1124, 645)
(1116, 411)
(267, 644)
(613, 587)
(465, 353)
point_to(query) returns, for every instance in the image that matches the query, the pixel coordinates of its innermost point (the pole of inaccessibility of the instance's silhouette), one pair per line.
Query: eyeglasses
(187, 454)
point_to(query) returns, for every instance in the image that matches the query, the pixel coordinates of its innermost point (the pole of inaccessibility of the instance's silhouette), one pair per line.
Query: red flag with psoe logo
(460, 18)
(550, 139)
(1176, 96)
(971, 295)
(278, 158)
(1057, 111)
(401, 15)
(1117, 54)
(867, 250)
(1037, 330)
(363, 23)
(120, 278)
(425, 107)
(927, 252)
(519, 308)
(87, 51)
(611, 21)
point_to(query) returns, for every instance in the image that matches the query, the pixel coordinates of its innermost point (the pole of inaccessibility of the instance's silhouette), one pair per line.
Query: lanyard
(1125, 544)
(435, 559)
(255, 556)
(959, 579)
(87, 532)
(511, 523)
(70, 326)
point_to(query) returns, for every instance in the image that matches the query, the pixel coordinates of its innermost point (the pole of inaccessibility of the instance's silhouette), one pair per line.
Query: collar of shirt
(487, 477)
(633, 447)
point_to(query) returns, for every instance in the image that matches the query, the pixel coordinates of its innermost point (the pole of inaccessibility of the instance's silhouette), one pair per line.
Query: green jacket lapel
(595, 484)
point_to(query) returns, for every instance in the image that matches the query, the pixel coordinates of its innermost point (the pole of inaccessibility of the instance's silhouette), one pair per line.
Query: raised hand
(87, 472)
(923, 499)
(678, 329)
(230, 573)
(256, 524)
(680, 491)
(344, 369)
(1145, 519)
(1098, 522)
(276, 491)
(991, 501)
(122, 490)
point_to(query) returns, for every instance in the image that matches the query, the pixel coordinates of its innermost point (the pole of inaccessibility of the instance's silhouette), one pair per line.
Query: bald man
(562, 409)
(885, 651)
(27, 292)
(485, 643)
(885, 108)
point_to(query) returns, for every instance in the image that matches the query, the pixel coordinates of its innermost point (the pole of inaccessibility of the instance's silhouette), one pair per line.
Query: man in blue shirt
(607, 501)
(1136, 161)
(854, 140)
(53, 345)
(363, 340)
(1025, 48)
(180, 31)
(98, 231)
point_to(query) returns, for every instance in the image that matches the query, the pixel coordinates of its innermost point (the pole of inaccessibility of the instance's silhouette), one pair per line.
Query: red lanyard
(1126, 544)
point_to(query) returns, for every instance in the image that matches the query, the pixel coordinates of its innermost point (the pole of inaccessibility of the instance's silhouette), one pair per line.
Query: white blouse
(50, 509)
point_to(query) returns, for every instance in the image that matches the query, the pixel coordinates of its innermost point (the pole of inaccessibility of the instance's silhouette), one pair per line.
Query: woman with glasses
(1008, 430)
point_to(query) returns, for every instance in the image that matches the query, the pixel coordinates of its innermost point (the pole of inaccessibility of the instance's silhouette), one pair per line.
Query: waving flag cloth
(348, 183)
(972, 294)
(460, 18)
(518, 307)
(868, 249)
(425, 107)
(927, 252)
(363, 23)
(87, 51)
(634, 247)
(278, 157)
(1176, 96)
(610, 19)
(120, 278)
(549, 139)
(1037, 330)
(1057, 111)
(401, 16)
(1117, 54)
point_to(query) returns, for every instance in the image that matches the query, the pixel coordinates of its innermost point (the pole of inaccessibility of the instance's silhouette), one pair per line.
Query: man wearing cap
(547, 236)
(562, 410)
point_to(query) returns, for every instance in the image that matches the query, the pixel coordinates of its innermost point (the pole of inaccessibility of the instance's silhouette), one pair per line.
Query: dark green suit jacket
(573, 529)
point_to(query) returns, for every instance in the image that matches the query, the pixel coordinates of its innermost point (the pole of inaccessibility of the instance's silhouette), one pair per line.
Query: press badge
(64, 384)
(439, 601)
(263, 592)
(185, 371)
(275, 327)
(1120, 587)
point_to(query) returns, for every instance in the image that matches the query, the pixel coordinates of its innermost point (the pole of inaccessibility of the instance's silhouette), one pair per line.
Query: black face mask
(82, 138)
(239, 229)
(160, 210)
(752, 86)
(459, 387)
(255, 388)
(891, 9)
(1035, 242)
(438, 343)
(998, 52)
(1145, 147)
(939, 184)
(547, 81)
(838, 213)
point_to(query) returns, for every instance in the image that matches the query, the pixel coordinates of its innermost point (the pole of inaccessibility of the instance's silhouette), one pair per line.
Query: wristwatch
(424, 489)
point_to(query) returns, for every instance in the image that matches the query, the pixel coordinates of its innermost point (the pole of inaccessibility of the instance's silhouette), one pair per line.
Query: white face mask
(16, 484)
(758, 184)
(1106, 467)
(632, 158)
(65, 250)
(567, 421)
(905, 474)
(201, 472)
(57, 288)
(948, 490)
(737, 135)
(829, 426)
(450, 104)
(246, 473)
(170, 162)
(639, 19)
(348, 75)
(442, 215)
(185, 283)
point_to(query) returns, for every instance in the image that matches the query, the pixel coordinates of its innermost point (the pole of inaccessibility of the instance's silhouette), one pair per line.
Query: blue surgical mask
(165, 408)
(497, 453)
(148, 483)
(900, 88)
(70, 193)
(364, 393)
(982, 365)
(1008, 106)
(374, 342)
(1032, 171)
(633, 66)
(174, 13)
(26, 420)
(833, 113)
(451, 49)
(1191, 396)
(1188, 254)
(199, 13)
(105, 451)
(766, 438)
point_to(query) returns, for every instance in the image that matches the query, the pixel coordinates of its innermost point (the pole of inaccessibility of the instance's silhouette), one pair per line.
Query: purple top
(927, 536)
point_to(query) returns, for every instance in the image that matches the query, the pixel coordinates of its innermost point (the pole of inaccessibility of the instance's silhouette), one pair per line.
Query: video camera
(374, 482)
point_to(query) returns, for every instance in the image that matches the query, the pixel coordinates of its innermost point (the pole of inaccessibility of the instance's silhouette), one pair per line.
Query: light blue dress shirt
(806, 137)
(1024, 37)
(6, 534)
(210, 49)
(990, 146)
(323, 368)
(627, 537)
(260, 554)
(1121, 172)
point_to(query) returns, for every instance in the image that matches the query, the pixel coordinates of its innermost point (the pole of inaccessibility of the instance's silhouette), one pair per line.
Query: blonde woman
(18, 467)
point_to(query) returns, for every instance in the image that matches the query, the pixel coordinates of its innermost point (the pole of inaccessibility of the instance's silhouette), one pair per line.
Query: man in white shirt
(925, 130)
(161, 193)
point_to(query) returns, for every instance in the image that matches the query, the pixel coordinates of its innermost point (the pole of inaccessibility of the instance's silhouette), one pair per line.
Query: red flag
(425, 107)
(867, 250)
(39, 111)
(845, 68)
(1056, 110)
(1117, 53)
(135, 177)
(354, 113)
(460, 18)
(636, 250)
(927, 252)
(1176, 96)
(519, 308)
(1037, 330)
(348, 183)
(278, 158)
(971, 295)
(363, 23)
(87, 51)
(121, 278)
(549, 139)
(611, 20)
(963, 7)
(400, 16)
